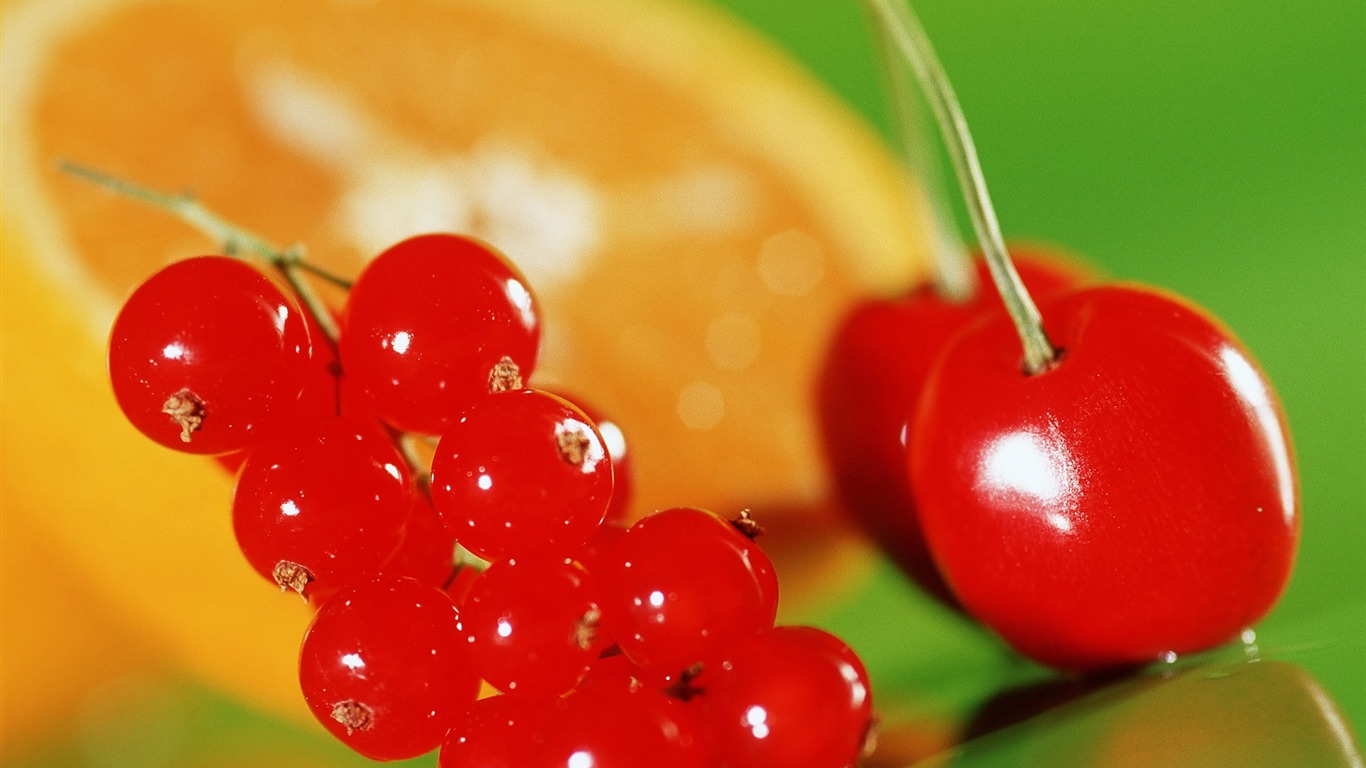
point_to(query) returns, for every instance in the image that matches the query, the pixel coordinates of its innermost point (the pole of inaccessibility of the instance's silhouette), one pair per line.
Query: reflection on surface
(1033, 467)
(1252, 713)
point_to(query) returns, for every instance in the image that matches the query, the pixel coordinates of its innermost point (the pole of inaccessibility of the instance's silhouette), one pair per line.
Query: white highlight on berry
(289, 508)
(401, 341)
(1031, 465)
(353, 661)
(504, 628)
(581, 760)
(1250, 385)
(173, 351)
(756, 717)
(484, 482)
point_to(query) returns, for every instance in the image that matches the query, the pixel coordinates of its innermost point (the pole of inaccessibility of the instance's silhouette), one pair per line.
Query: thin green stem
(954, 278)
(905, 31)
(233, 239)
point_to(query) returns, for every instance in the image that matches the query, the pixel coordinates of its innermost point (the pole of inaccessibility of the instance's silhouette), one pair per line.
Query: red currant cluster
(612, 646)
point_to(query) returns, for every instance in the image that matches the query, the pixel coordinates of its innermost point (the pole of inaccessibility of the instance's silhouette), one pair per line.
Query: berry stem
(900, 23)
(233, 239)
(954, 279)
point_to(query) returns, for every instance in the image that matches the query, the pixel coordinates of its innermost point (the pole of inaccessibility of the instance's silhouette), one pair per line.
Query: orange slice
(693, 211)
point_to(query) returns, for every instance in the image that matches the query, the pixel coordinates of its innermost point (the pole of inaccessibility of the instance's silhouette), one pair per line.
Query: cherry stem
(954, 279)
(901, 24)
(233, 239)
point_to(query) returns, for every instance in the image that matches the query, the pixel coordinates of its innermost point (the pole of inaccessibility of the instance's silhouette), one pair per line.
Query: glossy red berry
(322, 507)
(532, 623)
(612, 727)
(428, 325)
(498, 732)
(614, 439)
(1138, 497)
(427, 551)
(384, 667)
(870, 382)
(682, 583)
(521, 472)
(792, 696)
(206, 354)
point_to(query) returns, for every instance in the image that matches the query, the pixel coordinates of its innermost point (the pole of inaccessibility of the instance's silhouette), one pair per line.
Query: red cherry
(323, 507)
(521, 472)
(1135, 498)
(792, 696)
(870, 382)
(207, 354)
(428, 324)
(384, 667)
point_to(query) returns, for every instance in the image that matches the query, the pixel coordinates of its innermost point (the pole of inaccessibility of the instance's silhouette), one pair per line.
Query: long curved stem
(954, 278)
(233, 239)
(905, 31)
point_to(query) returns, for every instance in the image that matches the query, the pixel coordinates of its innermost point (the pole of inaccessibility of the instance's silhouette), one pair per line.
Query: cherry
(521, 471)
(384, 667)
(869, 385)
(433, 322)
(792, 696)
(1103, 482)
(206, 354)
(1137, 497)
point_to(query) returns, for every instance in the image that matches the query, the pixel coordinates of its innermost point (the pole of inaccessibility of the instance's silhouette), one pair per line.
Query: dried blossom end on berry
(290, 575)
(354, 715)
(574, 444)
(747, 525)
(186, 410)
(586, 631)
(685, 688)
(505, 376)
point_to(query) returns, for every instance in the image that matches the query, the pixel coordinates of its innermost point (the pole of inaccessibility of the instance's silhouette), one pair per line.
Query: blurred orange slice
(692, 209)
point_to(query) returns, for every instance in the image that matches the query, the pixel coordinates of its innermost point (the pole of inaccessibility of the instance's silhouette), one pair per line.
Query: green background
(1215, 148)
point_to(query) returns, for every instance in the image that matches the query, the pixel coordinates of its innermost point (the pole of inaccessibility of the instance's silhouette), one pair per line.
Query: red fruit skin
(501, 731)
(394, 646)
(870, 382)
(681, 583)
(218, 328)
(617, 727)
(426, 322)
(334, 497)
(503, 485)
(427, 551)
(1137, 498)
(797, 697)
(623, 473)
(525, 620)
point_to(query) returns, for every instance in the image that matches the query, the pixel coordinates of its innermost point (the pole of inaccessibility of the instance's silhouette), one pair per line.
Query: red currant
(614, 438)
(385, 667)
(792, 696)
(682, 583)
(323, 507)
(427, 552)
(498, 732)
(206, 354)
(611, 727)
(432, 323)
(533, 624)
(521, 472)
